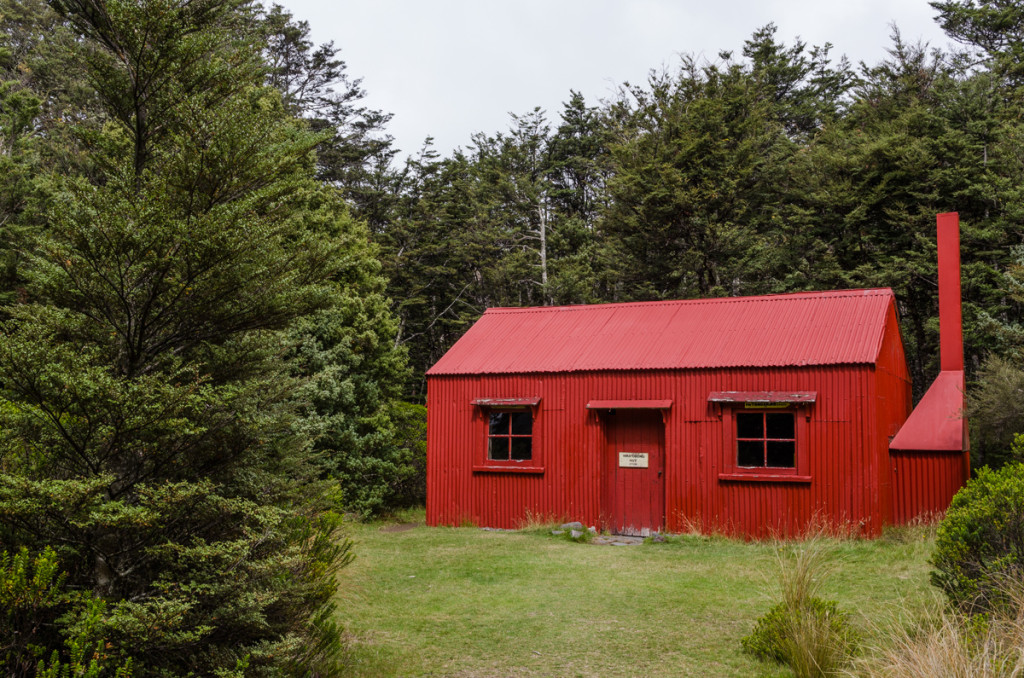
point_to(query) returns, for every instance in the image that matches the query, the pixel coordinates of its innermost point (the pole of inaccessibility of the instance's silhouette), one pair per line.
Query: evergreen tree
(578, 168)
(38, 95)
(355, 153)
(437, 254)
(992, 29)
(151, 434)
(355, 375)
(916, 141)
(696, 170)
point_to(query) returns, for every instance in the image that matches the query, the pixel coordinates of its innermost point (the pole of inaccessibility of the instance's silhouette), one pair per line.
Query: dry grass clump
(540, 522)
(953, 644)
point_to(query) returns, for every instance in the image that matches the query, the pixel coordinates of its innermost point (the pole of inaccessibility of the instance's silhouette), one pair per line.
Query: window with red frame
(510, 435)
(766, 440)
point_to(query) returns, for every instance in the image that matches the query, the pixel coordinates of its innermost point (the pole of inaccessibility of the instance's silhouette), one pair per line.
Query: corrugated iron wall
(847, 443)
(919, 484)
(924, 483)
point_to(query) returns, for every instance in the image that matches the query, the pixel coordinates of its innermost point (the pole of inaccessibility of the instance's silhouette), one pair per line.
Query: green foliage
(153, 425)
(995, 28)
(85, 658)
(354, 372)
(32, 597)
(774, 634)
(38, 611)
(695, 173)
(410, 487)
(807, 633)
(980, 543)
(993, 412)
(354, 153)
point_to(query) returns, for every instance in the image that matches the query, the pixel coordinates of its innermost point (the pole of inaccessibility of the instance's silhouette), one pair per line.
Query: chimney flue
(951, 342)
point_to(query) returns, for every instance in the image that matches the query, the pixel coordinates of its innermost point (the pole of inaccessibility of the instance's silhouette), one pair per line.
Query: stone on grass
(576, 534)
(557, 532)
(575, 525)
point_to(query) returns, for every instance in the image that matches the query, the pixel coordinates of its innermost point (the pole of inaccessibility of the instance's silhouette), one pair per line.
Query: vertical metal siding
(569, 440)
(855, 483)
(925, 482)
(918, 484)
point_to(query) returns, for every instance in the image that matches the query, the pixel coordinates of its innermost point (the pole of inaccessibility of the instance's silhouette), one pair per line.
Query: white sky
(449, 68)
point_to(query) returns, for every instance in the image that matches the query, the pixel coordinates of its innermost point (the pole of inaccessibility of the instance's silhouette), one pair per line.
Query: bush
(809, 634)
(39, 613)
(980, 543)
(993, 424)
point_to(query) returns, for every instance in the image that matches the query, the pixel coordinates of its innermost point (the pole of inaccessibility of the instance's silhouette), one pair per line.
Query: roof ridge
(782, 296)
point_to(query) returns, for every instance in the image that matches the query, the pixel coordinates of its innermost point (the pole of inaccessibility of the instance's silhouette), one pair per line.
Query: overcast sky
(449, 68)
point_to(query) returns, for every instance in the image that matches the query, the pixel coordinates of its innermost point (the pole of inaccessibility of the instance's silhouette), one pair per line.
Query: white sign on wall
(632, 459)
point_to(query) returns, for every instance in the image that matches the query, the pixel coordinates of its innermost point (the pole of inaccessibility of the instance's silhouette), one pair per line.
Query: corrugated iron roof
(806, 328)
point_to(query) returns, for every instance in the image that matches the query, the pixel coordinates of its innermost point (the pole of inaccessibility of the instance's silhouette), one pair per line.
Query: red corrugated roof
(807, 328)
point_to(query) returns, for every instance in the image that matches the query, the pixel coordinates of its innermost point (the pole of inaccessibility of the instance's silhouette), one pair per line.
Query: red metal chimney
(951, 340)
(937, 423)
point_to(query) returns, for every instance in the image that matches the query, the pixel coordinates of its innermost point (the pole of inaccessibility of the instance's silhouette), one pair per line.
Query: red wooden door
(634, 471)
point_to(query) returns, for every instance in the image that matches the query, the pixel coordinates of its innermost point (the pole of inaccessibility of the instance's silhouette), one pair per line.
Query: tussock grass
(944, 642)
(536, 522)
(804, 631)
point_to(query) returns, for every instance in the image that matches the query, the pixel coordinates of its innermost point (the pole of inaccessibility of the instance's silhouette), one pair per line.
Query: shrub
(993, 424)
(980, 543)
(815, 636)
(809, 634)
(39, 613)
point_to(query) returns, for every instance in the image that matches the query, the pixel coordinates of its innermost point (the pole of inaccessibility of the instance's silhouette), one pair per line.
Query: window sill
(764, 477)
(536, 470)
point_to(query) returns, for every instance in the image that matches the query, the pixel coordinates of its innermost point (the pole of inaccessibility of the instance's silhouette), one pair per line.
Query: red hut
(748, 415)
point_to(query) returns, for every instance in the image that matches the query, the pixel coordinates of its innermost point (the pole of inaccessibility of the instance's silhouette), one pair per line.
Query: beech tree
(697, 168)
(355, 152)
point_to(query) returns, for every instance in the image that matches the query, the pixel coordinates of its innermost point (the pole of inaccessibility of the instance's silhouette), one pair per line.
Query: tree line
(775, 168)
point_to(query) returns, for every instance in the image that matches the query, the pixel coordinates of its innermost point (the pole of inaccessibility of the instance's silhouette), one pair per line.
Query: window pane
(522, 423)
(750, 453)
(521, 448)
(499, 424)
(749, 425)
(780, 425)
(497, 448)
(781, 453)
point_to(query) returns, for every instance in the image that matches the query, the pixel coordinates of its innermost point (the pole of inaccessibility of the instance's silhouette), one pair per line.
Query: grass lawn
(468, 602)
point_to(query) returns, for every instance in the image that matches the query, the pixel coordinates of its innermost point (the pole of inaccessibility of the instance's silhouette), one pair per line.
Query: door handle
(659, 474)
